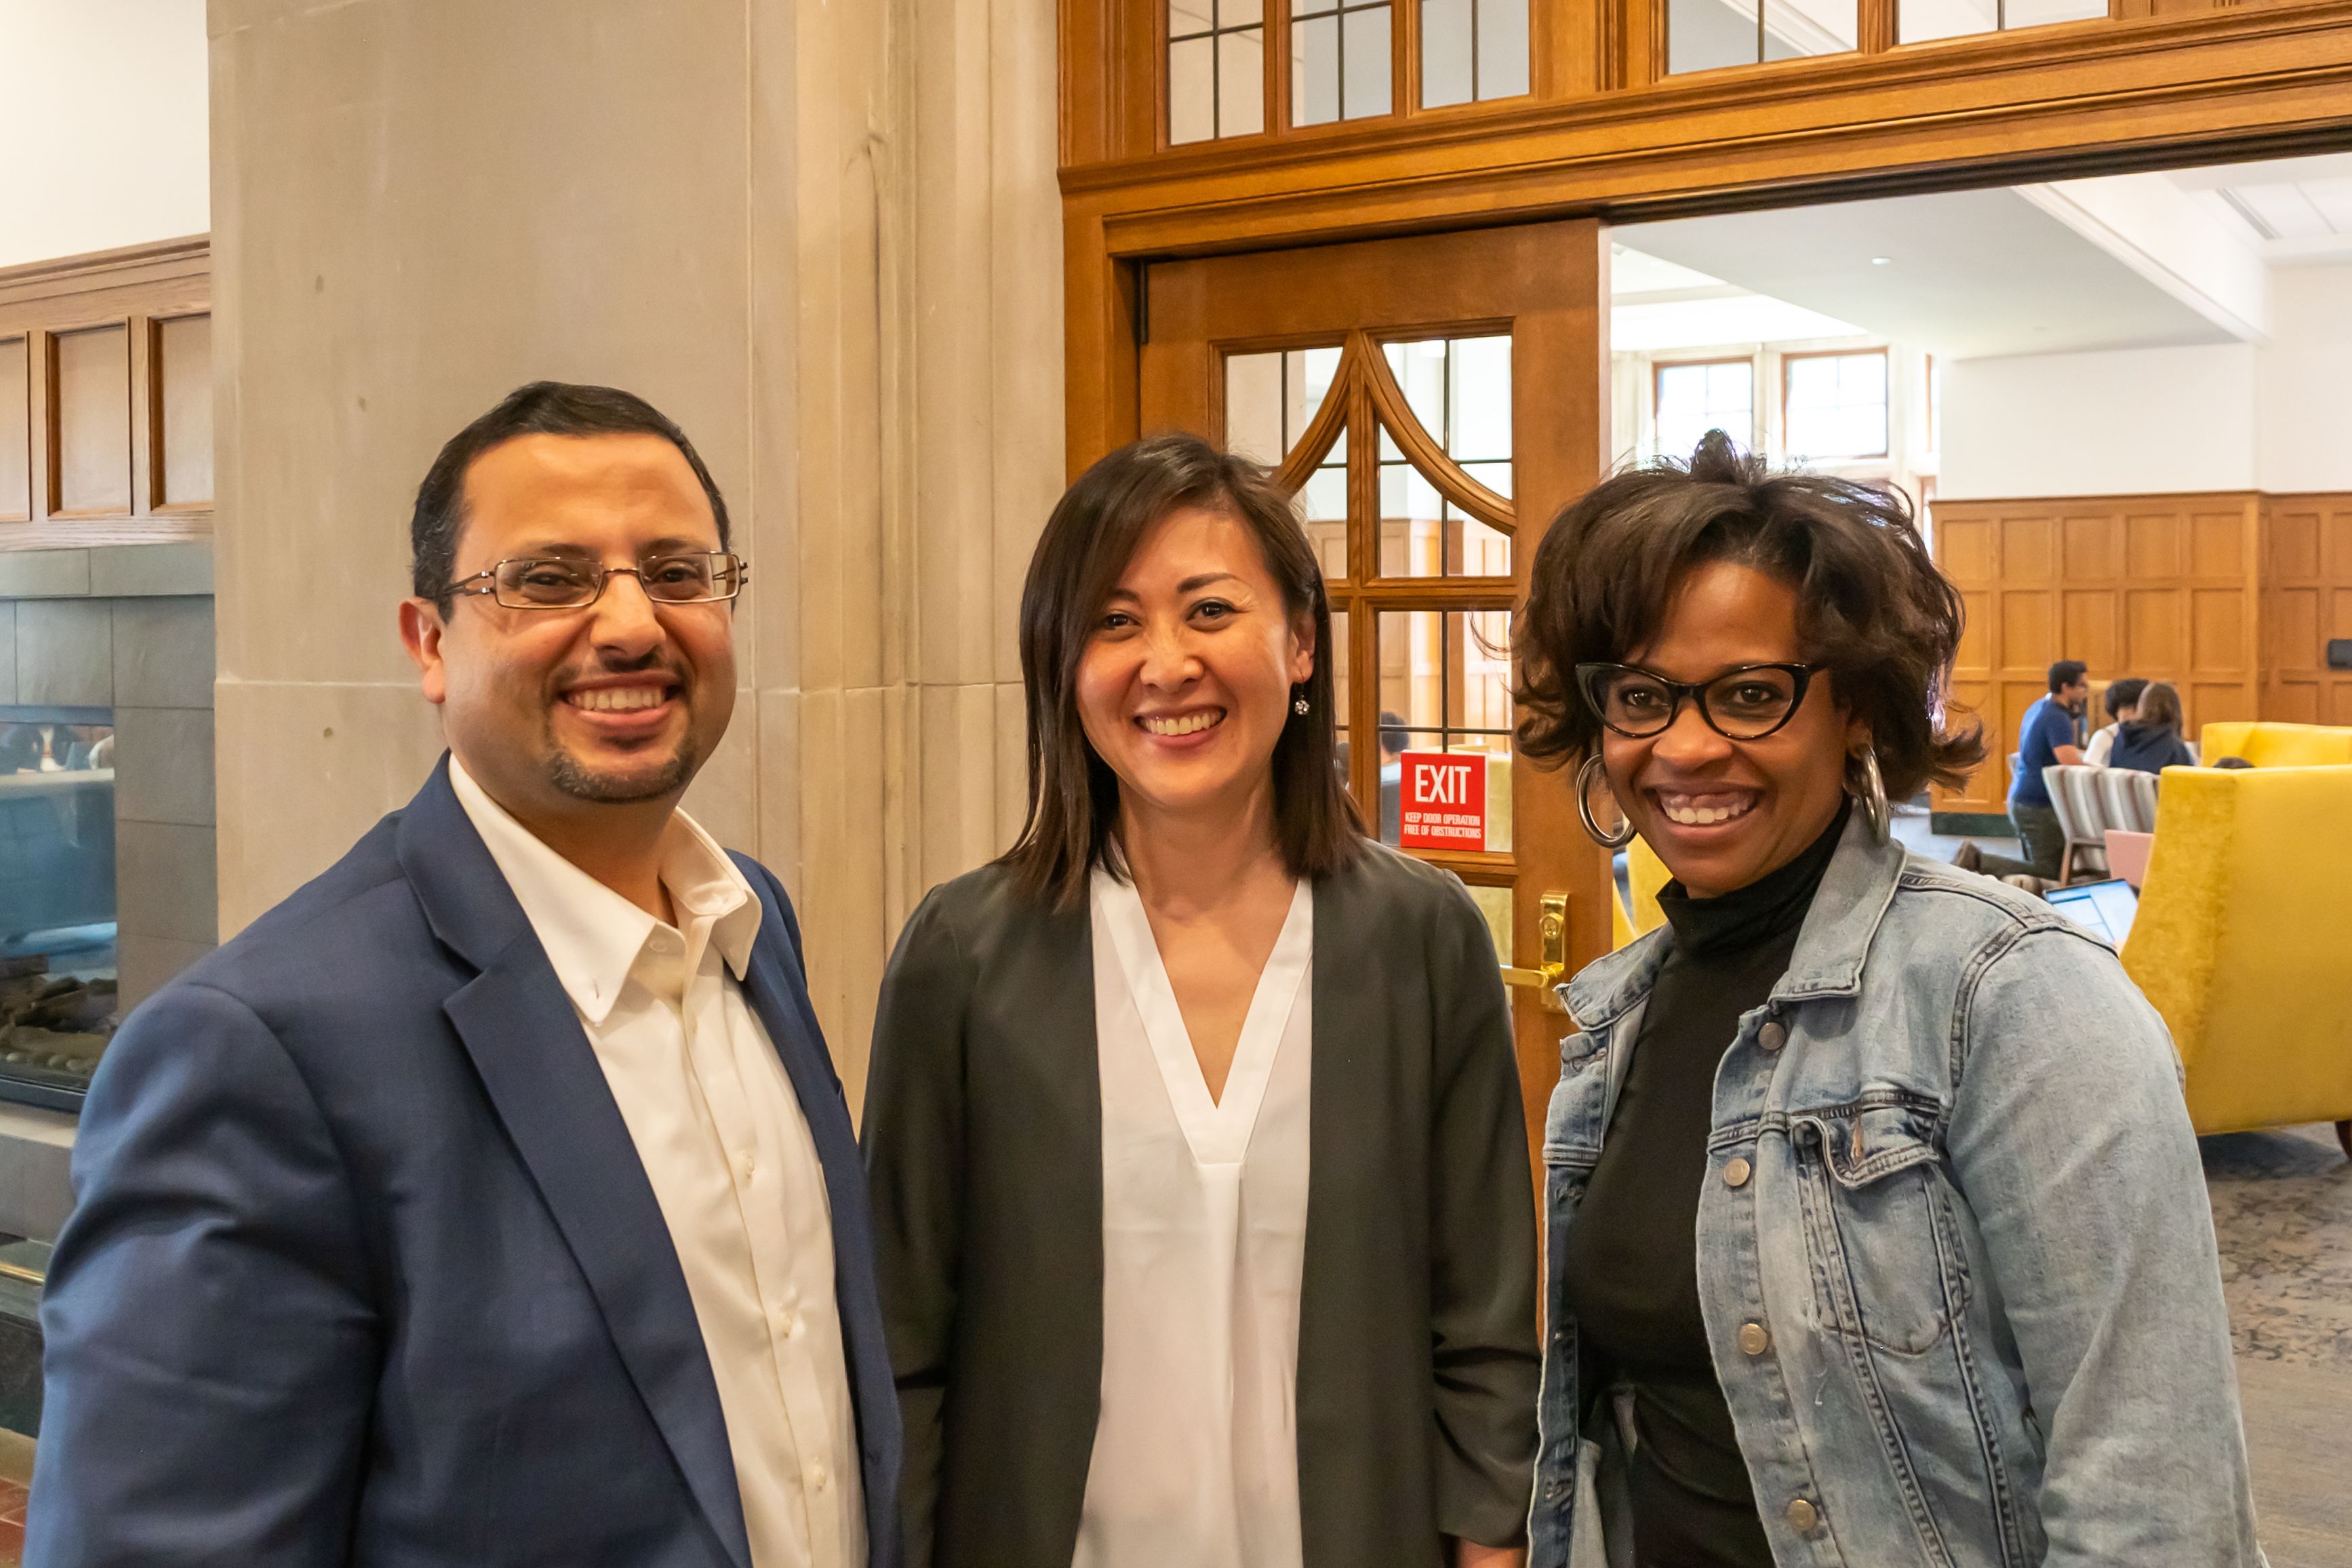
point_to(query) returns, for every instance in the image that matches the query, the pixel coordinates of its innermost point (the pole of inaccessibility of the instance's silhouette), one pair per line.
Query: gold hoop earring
(1624, 834)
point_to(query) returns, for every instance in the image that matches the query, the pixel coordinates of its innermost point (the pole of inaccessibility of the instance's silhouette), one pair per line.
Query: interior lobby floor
(2283, 1213)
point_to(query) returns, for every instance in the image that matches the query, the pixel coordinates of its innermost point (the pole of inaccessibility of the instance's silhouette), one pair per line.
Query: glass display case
(57, 996)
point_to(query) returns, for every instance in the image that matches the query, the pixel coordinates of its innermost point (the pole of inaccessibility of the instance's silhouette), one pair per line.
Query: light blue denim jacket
(1955, 1257)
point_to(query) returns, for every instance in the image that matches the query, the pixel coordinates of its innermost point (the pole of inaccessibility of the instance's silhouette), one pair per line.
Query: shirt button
(743, 1162)
(1803, 1517)
(1736, 1172)
(1755, 1339)
(818, 1476)
(1773, 1035)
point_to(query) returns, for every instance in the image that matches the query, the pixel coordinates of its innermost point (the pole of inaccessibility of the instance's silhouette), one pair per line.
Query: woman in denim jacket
(1876, 1228)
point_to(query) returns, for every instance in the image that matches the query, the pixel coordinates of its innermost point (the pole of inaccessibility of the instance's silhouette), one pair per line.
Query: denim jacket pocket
(1888, 1265)
(1578, 1113)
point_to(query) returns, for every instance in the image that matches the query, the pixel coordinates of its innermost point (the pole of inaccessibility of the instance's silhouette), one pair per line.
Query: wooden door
(1436, 400)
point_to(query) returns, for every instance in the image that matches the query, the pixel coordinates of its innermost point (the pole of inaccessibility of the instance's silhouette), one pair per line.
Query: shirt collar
(1835, 938)
(591, 935)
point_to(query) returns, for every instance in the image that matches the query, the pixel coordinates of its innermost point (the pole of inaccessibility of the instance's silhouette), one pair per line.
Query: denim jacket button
(1735, 1172)
(1773, 1035)
(1755, 1339)
(1803, 1517)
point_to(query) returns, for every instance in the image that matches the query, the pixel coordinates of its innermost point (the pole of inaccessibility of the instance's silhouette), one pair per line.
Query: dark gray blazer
(1417, 1354)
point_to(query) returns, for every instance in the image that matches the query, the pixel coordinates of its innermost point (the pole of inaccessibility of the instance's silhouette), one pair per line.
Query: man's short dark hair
(543, 408)
(2123, 694)
(2066, 672)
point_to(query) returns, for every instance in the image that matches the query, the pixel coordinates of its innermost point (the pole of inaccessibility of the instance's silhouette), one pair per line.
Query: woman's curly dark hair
(1872, 607)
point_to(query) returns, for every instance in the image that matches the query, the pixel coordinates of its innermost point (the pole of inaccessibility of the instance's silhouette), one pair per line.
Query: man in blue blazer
(492, 1199)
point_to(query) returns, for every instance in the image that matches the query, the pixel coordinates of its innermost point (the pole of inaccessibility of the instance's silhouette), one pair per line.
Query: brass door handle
(1552, 927)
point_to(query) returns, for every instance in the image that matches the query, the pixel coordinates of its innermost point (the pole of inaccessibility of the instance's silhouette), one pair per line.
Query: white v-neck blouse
(1204, 1241)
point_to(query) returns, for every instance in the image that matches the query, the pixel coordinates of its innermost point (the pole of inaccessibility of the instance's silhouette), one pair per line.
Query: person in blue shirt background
(2048, 735)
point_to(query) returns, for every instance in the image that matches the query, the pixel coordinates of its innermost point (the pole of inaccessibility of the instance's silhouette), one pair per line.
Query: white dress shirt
(1205, 1244)
(728, 1151)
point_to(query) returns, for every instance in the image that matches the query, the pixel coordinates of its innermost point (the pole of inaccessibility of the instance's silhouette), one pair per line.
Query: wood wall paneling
(2306, 600)
(15, 430)
(105, 398)
(182, 393)
(2164, 587)
(90, 424)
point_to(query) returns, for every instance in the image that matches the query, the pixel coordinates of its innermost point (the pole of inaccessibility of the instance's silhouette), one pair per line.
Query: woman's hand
(1470, 1554)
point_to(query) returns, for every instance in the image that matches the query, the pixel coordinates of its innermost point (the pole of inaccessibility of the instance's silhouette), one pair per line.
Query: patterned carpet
(2283, 1212)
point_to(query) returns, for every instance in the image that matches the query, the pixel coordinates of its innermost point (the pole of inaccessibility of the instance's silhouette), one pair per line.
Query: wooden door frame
(2073, 100)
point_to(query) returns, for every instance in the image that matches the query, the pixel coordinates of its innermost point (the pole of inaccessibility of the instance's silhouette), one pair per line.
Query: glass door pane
(1459, 390)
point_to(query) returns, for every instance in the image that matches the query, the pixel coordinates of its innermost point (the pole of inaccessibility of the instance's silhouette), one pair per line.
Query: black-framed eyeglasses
(1747, 702)
(537, 582)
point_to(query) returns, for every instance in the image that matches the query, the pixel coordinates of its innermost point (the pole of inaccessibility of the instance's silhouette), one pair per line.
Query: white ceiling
(1961, 274)
(2119, 262)
(2293, 210)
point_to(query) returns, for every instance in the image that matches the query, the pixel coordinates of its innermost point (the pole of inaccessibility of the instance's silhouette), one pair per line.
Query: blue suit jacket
(365, 1268)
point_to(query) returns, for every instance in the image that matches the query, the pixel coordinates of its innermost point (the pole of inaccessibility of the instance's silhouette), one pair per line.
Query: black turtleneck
(1630, 1269)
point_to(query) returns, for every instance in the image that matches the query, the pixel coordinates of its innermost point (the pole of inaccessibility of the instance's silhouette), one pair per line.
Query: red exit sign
(1443, 800)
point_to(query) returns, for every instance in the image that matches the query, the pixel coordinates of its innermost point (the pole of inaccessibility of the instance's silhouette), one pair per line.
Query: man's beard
(565, 772)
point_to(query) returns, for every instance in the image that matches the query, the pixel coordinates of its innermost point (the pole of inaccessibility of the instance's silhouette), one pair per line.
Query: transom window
(1242, 67)
(1340, 64)
(1216, 69)
(1473, 51)
(1706, 35)
(1918, 21)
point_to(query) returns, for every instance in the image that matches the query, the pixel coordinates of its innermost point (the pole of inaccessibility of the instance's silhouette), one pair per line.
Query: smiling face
(1185, 685)
(1721, 814)
(613, 703)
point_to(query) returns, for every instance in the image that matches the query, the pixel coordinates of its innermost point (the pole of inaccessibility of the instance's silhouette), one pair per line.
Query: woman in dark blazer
(1268, 1301)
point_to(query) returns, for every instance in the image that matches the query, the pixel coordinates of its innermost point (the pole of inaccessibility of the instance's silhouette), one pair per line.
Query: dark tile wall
(131, 628)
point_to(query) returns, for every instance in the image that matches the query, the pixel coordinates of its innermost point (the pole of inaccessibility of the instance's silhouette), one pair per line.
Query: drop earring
(1298, 705)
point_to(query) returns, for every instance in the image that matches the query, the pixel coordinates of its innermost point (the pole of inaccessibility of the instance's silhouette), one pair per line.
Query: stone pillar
(823, 237)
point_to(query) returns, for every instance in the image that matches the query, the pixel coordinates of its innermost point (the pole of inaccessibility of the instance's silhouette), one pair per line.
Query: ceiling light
(1882, 261)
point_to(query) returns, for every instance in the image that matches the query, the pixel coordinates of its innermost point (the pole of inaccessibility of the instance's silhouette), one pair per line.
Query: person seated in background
(1392, 742)
(2118, 699)
(2046, 737)
(20, 748)
(2152, 740)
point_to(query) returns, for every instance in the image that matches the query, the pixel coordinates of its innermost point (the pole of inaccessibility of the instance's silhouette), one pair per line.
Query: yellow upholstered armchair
(1645, 874)
(2268, 745)
(2240, 939)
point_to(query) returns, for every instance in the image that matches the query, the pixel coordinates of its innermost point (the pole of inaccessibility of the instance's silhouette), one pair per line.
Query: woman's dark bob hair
(1094, 533)
(1871, 608)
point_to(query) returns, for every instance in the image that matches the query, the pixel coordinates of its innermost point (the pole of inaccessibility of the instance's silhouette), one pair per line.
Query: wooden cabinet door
(1435, 400)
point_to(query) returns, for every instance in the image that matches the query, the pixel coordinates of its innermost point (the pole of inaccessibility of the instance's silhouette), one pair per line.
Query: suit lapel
(543, 1080)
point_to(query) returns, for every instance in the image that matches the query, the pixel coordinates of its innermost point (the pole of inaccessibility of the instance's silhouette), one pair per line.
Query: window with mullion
(1340, 60)
(1216, 69)
(1473, 51)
